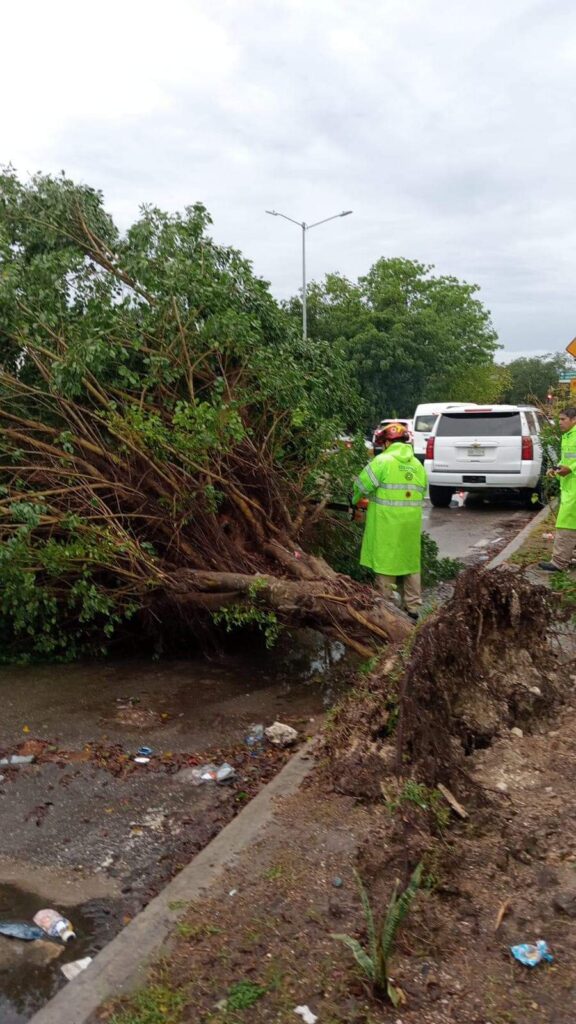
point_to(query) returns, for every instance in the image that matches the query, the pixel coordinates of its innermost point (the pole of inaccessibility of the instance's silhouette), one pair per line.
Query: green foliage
(238, 616)
(148, 383)
(532, 377)
(436, 570)
(157, 1004)
(421, 796)
(409, 336)
(244, 994)
(375, 959)
(38, 618)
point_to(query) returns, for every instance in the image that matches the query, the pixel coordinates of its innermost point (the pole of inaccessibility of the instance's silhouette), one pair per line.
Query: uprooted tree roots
(479, 665)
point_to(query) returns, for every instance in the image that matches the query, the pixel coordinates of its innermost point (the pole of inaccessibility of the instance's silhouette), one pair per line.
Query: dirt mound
(479, 666)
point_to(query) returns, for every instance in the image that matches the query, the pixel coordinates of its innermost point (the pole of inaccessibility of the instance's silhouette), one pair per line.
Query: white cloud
(447, 128)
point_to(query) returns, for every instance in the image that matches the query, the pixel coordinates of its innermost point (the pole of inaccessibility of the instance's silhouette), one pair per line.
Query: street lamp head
(346, 213)
(272, 213)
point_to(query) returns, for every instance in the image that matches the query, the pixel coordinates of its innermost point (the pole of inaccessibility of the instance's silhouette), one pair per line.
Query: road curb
(519, 539)
(122, 965)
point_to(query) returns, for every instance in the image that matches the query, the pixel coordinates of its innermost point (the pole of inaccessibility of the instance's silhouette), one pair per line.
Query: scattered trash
(281, 735)
(145, 752)
(212, 773)
(127, 701)
(502, 786)
(54, 924)
(233, 892)
(254, 738)
(530, 955)
(26, 728)
(535, 690)
(76, 967)
(141, 760)
(22, 930)
(16, 759)
(516, 732)
(306, 1013)
(547, 536)
(337, 883)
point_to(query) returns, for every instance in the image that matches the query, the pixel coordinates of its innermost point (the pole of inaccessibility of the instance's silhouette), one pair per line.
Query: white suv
(492, 448)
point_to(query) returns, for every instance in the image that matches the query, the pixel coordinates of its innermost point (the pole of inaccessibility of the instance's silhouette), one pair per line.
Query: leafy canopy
(408, 335)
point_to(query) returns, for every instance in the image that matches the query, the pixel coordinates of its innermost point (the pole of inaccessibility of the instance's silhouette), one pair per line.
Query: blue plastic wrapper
(530, 955)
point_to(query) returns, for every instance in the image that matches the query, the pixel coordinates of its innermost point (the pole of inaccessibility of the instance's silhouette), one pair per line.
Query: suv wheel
(440, 496)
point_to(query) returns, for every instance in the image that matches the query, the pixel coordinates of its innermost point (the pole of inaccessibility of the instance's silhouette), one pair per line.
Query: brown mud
(498, 731)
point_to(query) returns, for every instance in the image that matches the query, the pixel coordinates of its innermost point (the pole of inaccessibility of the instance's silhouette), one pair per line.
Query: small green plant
(426, 799)
(564, 584)
(157, 1004)
(237, 616)
(434, 569)
(275, 872)
(375, 960)
(244, 994)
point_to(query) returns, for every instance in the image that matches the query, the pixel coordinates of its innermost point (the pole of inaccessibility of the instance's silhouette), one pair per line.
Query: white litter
(306, 1013)
(75, 968)
(141, 760)
(233, 892)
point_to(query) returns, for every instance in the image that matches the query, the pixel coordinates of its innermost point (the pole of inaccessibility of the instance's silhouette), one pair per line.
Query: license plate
(472, 452)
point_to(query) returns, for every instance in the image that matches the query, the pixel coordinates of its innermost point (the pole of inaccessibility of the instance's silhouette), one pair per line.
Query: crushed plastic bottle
(22, 930)
(254, 739)
(55, 924)
(531, 954)
(212, 773)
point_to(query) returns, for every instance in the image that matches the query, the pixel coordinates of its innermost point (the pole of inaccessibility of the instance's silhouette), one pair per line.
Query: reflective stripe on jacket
(395, 485)
(566, 519)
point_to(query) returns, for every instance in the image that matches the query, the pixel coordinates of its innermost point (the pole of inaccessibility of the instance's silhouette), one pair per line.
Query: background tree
(409, 336)
(532, 377)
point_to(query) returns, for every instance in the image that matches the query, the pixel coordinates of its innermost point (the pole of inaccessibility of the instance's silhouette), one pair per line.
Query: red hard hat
(391, 432)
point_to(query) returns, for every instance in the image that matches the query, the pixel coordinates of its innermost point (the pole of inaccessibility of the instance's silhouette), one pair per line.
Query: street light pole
(306, 227)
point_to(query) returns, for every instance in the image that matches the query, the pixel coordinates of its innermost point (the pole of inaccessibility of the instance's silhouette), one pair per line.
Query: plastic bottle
(55, 925)
(255, 739)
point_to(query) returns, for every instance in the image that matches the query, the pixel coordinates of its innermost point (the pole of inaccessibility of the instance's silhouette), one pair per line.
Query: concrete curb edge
(121, 966)
(517, 542)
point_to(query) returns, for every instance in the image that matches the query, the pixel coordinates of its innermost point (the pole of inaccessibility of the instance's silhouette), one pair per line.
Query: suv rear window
(424, 423)
(484, 424)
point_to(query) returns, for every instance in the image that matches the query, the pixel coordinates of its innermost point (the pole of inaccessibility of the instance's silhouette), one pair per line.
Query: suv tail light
(527, 449)
(430, 448)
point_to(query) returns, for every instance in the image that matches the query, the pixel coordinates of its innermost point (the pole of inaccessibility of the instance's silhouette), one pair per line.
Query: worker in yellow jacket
(395, 485)
(565, 536)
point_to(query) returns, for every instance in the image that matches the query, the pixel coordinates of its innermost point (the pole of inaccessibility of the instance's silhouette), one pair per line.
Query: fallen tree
(166, 438)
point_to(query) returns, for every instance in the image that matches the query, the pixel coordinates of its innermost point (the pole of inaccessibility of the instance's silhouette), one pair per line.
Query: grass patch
(536, 547)
(158, 1004)
(244, 994)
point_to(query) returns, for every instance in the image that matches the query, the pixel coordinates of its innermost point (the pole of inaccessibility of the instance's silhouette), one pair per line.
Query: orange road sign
(571, 347)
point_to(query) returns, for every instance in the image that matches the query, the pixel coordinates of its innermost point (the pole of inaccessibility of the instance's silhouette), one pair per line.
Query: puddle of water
(30, 971)
(172, 705)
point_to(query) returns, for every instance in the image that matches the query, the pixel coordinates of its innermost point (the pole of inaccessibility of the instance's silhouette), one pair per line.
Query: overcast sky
(448, 128)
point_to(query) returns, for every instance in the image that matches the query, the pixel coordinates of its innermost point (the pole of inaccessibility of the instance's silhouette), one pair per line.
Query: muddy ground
(261, 944)
(85, 828)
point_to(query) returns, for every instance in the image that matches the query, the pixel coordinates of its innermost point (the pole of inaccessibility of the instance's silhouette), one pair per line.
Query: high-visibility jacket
(395, 485)
(566, 519)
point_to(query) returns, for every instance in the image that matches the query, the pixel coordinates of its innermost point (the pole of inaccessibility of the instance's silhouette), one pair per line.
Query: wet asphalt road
(476, 530)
